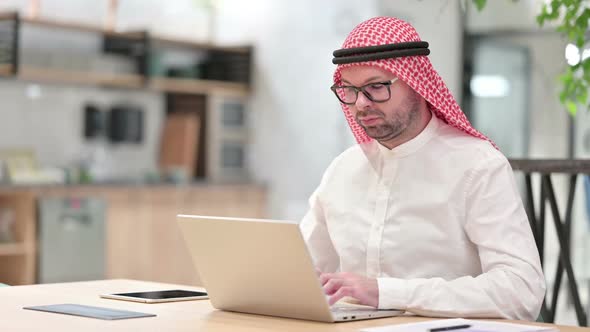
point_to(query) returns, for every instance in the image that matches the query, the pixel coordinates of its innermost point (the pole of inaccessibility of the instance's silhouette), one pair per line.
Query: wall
(297, 122)
(505, 16)
(178, 18)
(52, 124)
(440, 23)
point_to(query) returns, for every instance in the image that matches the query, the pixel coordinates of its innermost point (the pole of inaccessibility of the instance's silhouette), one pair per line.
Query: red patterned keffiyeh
(416, 71)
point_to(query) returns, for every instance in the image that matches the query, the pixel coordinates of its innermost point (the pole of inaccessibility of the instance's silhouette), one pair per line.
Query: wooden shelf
(49, 75)
(12, 249)
(50, 23)
(199, 45)
(136, 81)
(7, 15)
(5, 69)
(179, 85)
(57, 24)
(61, 24)
(17, 259)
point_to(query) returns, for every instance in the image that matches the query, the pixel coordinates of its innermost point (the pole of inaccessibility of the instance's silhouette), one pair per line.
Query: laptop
(262, 267)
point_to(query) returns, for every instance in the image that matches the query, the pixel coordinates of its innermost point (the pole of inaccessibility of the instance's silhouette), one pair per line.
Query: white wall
(297, 123)
(440, 24)
(179, 18)
(52, 124)
(505, 15)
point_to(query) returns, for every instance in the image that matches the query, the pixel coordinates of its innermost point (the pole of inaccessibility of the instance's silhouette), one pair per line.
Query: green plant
(479, 4)
(572, 17)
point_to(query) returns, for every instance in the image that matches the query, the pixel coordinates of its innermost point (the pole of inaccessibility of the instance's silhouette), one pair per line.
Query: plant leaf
(571, 107)
(583, 96)
(480, 4)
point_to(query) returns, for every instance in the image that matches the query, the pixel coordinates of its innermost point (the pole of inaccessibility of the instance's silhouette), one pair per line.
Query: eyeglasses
(378, 92)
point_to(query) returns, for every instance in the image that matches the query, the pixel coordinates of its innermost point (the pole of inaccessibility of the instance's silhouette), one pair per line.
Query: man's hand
(339, 285)
(318, 272)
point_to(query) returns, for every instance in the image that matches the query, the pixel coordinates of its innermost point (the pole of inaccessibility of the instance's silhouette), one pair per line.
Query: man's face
(384, 121)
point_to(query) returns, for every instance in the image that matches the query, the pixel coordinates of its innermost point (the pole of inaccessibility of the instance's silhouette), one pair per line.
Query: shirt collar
(415, 143)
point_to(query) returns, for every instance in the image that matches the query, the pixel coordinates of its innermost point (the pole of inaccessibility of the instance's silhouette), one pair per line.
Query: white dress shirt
(437, 220)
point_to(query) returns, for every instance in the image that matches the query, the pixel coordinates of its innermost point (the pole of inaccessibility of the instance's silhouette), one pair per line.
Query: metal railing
(537, 213)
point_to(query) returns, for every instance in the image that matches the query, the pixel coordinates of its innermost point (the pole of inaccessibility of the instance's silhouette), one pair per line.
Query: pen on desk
(450, 328)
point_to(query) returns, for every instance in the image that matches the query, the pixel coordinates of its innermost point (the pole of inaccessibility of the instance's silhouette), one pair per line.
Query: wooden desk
(176, 316)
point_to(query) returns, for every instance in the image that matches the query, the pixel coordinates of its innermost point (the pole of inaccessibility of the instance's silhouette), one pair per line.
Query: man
(423, 214)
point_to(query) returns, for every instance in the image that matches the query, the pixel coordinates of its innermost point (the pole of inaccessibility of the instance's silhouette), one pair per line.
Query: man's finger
(333, 286)
(325, 277)
(342, 292)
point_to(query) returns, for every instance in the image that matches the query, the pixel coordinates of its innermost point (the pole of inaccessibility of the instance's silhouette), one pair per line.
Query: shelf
(18, 258)
(49, 23)
(131, 80)
(198, 45)
(7, 15)
(175, 85)
(179, 85)
(61, 24)
(49, 75)
(12, 249)
(52, 23)
(5, 69)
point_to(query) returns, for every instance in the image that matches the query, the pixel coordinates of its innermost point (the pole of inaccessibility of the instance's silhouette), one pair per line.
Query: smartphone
(158, 296)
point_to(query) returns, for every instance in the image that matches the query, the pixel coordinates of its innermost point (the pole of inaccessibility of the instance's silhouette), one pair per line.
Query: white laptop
(262, 267)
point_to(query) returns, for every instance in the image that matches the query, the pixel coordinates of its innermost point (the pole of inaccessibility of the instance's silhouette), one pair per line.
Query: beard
(392, 126)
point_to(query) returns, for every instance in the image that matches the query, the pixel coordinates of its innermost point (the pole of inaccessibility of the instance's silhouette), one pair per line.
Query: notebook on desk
(262, 267)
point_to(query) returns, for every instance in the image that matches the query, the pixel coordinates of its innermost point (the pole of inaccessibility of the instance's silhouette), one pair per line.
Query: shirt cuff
(393, 293)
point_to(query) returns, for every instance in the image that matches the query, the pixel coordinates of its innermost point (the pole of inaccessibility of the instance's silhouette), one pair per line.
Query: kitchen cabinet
(142, 239)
